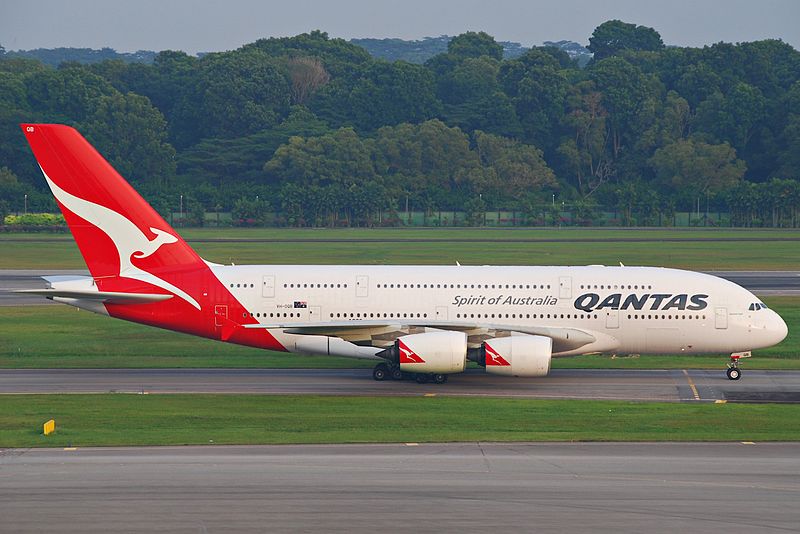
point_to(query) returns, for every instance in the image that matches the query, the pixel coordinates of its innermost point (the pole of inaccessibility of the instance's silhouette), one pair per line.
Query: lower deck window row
(663, 316)
(373, 315)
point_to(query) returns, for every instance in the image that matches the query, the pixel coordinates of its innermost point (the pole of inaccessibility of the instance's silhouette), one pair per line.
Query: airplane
(417, 322)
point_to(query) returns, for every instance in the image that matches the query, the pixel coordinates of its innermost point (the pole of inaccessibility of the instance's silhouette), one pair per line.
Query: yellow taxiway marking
(70, 448)
(691, 385)
(720, 401)
(429, 395)
(412, 444)
(748, 443)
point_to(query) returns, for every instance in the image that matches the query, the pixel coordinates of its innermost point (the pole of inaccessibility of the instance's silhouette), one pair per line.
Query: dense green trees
(614, 36)
(320, 132)
(475, 45)
(132, 135)
(695, 168)
(537, 85)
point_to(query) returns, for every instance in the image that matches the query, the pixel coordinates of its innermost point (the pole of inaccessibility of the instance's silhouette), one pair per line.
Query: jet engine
(517, 355)
(442, 352)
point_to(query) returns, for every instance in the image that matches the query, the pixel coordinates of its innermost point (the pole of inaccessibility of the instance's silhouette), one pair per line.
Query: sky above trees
(205, 25)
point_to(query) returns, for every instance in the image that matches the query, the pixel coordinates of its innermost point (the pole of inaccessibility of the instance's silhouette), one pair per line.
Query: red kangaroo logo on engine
(407, 355)
(494, 358)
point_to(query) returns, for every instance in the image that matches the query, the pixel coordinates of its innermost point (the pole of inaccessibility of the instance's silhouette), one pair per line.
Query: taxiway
(456, 487)
(600, 384)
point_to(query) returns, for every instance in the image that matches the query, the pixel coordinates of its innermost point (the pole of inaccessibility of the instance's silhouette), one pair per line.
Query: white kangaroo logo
(127, 238)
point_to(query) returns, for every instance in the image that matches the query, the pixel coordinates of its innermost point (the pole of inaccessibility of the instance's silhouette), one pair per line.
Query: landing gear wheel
(380, 372)
(395, 373)
(439, 378)
(733, 371)
(422, 378)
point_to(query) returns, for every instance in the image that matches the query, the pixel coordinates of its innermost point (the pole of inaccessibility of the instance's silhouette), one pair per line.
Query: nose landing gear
(733, 372)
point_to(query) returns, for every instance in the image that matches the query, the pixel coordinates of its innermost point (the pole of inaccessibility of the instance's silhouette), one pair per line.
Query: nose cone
(776, 328)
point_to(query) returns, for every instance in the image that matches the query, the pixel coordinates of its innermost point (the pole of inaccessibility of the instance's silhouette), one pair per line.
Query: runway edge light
(49, 427)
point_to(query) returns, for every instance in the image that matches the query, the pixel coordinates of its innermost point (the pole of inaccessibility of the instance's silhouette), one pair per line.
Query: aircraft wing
(382, 333)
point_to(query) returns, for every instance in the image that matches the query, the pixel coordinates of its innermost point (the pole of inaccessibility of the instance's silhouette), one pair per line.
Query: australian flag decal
(300, 304)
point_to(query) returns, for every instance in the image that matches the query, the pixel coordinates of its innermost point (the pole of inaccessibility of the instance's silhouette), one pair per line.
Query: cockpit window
(757, 306)
(752, 307)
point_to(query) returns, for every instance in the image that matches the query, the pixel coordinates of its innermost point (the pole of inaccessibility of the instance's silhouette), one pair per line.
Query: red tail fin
(131, 250)
(111, 223)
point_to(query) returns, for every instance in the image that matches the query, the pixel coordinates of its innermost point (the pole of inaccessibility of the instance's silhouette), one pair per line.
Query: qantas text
(656, 301)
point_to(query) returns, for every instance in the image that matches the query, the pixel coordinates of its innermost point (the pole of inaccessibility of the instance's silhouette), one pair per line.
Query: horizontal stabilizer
(109, 297)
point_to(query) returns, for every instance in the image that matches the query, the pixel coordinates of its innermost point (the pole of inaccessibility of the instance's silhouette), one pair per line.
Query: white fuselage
(626, 309)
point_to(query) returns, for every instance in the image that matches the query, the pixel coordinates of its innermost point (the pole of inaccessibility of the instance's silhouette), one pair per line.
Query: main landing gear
(380, 372)
(384, 371)
(733, 372)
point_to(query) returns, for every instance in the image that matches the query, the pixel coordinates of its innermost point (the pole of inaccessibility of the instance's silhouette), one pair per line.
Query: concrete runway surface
(760, 282)
(463, 487)
(598, 384)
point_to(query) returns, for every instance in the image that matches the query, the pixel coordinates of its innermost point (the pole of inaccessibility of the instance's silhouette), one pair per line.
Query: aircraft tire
(380, 372)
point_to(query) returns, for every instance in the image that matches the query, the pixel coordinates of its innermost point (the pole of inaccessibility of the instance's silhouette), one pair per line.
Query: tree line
(321, 132)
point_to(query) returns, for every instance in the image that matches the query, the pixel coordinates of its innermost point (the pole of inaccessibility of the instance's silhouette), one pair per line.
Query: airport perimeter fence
(492, 219)
(435, 219)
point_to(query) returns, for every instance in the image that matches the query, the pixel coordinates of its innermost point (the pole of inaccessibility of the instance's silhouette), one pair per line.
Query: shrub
(35, 219)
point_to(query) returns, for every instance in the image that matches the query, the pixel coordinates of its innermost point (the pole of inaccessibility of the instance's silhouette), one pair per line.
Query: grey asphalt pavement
(599, 384)
(464, 488)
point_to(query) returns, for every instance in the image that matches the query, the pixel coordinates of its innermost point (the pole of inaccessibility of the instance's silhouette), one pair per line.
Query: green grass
(109, 420)
(63, 337)
(29, 251)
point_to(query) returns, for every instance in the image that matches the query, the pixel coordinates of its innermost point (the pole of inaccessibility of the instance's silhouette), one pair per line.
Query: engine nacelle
(518, 355)
(432, 352)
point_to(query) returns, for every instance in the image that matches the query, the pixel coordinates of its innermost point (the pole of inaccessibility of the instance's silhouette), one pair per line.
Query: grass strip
(22, 251)
(125, 419)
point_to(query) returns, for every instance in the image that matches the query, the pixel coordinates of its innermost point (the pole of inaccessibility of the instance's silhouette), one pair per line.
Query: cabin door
(565, 287)
(362, 286)
(721, 318)
(268, 287)
(220, 314)
(612, 318)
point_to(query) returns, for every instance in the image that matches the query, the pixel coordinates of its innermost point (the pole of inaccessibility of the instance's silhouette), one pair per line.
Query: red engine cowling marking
(407, 355)
(494, 358)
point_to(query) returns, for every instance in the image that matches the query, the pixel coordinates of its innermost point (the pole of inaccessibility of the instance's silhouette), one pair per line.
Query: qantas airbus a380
(419, 321)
